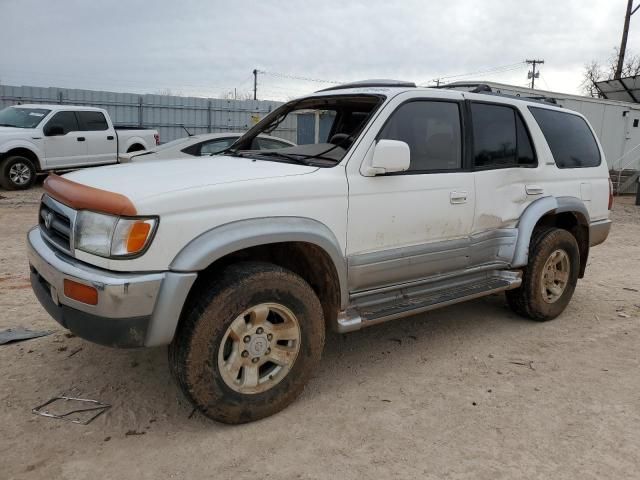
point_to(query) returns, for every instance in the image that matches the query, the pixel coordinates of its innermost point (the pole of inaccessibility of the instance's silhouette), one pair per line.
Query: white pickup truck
(44, 138)
(413, 199)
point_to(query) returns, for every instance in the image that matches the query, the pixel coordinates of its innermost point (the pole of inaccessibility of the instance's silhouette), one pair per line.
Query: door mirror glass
(54, 130)
(390, 156)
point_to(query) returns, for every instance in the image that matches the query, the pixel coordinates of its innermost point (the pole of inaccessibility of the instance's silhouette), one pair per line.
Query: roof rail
(487, 90)
(371, 83)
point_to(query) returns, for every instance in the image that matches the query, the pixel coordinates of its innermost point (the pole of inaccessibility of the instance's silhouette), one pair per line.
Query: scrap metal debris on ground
(20, 334)
(83, 415)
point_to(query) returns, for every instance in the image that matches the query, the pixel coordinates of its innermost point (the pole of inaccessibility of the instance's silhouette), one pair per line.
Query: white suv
(405, 200)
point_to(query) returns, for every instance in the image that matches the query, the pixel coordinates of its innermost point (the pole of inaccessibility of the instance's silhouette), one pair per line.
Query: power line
(296, 77)
(499, 69)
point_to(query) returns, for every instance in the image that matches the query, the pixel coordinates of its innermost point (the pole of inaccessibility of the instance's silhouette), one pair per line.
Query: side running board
(376, 307)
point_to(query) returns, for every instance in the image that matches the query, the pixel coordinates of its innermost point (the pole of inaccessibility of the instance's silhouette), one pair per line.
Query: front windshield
(323, 129)
(22, 117)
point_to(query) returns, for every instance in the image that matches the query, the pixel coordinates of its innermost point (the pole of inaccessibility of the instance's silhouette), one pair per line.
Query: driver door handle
(81, 139)
(458, 197)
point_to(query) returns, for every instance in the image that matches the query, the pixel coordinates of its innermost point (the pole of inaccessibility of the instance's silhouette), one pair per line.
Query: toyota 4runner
(401, 200)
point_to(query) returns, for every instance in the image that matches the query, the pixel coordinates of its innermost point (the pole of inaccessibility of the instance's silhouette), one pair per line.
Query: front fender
(232, 237)
(12, 144)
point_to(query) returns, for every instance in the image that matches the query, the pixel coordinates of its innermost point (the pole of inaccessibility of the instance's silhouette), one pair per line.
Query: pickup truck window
(569, 137)
(92, 121)
(432, 131)
(22, 117)
(500, 139)
(66, 120)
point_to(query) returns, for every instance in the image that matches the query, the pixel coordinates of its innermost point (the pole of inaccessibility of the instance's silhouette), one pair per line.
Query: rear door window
(569, 137)
(500, 138)
(92, 121)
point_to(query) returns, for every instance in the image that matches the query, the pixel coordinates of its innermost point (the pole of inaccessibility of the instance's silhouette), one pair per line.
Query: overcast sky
(207, 48)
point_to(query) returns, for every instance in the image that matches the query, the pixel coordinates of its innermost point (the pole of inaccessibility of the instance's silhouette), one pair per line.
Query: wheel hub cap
(259, 348)
(555, 276)
(258, 345)
(19, 173)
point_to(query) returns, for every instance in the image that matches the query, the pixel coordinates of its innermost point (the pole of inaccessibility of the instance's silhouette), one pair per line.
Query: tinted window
(569, 137)
(494, 135)
(66, 120)
(92, 121)
(432, 131)
(269, 143)
(500, 138)
(216, 146)
(526, 155)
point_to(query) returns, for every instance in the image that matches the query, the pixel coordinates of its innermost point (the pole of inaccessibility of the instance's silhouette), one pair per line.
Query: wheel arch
(568, 213)
(302, 245)
(23, 152)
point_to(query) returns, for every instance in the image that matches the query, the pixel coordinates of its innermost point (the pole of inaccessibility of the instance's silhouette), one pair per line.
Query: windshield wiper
(297, 158)
(8, 125)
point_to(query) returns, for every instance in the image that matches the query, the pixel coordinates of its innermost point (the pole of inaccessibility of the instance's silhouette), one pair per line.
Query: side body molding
(213, 244)
(535, 212)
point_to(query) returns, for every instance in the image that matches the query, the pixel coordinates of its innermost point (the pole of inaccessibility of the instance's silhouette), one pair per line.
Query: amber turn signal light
(137, 236)
(80, 293)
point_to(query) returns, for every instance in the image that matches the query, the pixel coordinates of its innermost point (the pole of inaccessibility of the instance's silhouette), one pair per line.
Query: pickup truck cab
(414, 199)
(42, 138)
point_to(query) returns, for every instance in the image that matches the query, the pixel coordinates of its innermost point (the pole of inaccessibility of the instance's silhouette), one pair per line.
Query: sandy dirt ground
(470, 391)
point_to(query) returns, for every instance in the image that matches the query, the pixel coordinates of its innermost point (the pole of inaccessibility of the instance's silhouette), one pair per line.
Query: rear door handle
(534, 190)
(81, 139)
(109, 137)
(458, 197)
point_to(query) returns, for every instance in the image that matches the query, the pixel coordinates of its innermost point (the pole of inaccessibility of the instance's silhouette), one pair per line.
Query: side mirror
(389, 156)
(54, 130)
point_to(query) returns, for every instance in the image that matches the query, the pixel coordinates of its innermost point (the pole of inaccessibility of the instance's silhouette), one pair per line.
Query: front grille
(56, 223)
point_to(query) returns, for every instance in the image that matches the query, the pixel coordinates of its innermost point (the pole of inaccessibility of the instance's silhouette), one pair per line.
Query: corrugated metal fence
(165, 113)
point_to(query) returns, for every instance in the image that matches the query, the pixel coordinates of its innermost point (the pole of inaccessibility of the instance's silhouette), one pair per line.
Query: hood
(13, 130)
(141, 180)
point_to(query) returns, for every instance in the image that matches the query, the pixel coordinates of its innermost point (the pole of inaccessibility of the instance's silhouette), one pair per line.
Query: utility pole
(625, 34)
(532, 73)
(255, 83)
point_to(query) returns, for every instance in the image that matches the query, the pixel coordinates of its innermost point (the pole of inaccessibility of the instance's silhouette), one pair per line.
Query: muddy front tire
(248, 342)
(550, 278)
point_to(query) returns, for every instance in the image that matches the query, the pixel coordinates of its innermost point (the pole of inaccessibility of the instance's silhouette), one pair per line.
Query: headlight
(109, 236)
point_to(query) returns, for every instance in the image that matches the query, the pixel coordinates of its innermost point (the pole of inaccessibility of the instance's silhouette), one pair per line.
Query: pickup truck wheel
(550, 278)
(248, 342)
(17, 173)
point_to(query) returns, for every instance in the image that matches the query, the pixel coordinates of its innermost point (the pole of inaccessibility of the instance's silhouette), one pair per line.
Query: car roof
(57, 107)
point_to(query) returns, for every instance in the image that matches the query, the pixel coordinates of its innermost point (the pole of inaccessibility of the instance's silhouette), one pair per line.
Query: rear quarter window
(569, 137)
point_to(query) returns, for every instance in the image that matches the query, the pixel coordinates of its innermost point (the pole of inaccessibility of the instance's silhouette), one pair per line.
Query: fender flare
(534, 212)
(220, 241)
(5, 148)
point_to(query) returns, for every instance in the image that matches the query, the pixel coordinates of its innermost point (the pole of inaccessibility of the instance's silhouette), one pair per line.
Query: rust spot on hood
(83, 197)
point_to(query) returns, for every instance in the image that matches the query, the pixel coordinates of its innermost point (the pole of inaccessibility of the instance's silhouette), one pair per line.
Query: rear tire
(17, 173)
(234, 325)
(550, 278)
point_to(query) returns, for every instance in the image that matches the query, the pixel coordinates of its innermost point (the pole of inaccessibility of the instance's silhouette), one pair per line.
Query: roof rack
(371, 83)
(487, 90)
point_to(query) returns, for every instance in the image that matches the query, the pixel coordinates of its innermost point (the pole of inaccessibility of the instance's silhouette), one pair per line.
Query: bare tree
(595, 72)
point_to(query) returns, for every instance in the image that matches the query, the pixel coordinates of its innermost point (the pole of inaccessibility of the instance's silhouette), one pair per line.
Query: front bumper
(133, 309)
